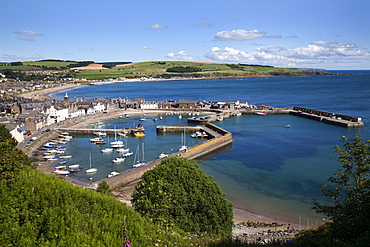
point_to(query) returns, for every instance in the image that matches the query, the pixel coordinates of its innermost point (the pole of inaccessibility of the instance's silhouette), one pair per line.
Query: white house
(16, 132)
(56, 113)
(149, 105)
(99, 107)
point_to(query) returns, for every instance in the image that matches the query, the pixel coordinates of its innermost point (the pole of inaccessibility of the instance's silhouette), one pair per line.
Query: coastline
(241, 215)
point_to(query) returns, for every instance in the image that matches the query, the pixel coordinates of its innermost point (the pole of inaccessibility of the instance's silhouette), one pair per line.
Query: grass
(158, 69)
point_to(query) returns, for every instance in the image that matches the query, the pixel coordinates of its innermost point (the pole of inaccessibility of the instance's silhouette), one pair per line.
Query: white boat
(113, 173)
(116, 143)
(287, 125)
(74, 166)
(64, 133)
(118, 159)
(100, 133)
(107, 150)
(60, 167)
(91, 170)
(183, 142)
(127, 154)
(261, 113)
(96, 139)
(65, 157)
(49, 157)
(123, 150)
(162, 156)
(136, 158)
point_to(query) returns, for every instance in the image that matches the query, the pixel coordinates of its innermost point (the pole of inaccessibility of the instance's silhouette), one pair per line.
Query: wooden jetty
(328, 117)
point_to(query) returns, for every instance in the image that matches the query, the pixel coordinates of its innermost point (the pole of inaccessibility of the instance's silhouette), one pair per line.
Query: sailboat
(183, 147)
(91, 170)
(136, 158)
(116, 143)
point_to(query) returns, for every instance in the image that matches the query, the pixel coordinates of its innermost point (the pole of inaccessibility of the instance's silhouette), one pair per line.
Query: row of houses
(34, 115)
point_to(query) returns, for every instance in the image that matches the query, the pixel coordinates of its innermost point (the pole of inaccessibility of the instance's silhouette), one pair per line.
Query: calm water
(269, 169)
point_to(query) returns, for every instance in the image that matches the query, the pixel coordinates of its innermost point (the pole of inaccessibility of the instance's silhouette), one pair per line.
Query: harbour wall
(328, 117)
(124, 178)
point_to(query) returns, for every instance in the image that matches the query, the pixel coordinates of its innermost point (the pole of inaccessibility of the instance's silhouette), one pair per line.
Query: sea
(268, 170)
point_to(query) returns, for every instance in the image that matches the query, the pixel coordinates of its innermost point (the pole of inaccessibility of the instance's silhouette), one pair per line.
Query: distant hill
(158, 69)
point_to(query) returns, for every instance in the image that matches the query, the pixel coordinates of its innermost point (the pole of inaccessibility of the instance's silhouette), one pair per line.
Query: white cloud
(147, 48)
(317, 53)
(156, 26)
(25, 38)
(28, 33)
(181, 55)
(240, 35)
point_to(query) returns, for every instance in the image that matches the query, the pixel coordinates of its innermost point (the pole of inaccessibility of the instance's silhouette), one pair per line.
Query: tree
(104, 188)
(178, 192)
(350, 197)
(12, 160)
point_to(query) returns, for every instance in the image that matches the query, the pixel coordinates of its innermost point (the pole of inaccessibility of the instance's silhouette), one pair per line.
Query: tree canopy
(178, 192)
(349, 195)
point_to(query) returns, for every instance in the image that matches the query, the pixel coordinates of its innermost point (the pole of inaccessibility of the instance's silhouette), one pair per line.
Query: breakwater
(220, 138)
(328, 117)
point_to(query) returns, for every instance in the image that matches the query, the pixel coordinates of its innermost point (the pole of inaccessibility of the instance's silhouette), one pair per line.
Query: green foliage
(182, 69)
(103, 188)
(12, 160)
(349, 206)
(177, 192)
(41, 210)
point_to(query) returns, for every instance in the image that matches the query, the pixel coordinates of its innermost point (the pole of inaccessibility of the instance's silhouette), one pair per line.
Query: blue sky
(328, 34)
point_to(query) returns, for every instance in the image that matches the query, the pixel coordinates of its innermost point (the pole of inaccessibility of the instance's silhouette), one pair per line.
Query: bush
(177, 192)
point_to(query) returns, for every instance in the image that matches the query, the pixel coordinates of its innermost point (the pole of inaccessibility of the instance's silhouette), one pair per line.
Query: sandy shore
(43, 94)
(241, 215)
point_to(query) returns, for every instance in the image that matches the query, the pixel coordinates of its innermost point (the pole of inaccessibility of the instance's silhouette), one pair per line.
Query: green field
(157, 69)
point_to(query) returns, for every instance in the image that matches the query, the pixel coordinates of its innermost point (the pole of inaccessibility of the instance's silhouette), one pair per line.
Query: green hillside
(159, 69)
(42, 210)
(204, 70)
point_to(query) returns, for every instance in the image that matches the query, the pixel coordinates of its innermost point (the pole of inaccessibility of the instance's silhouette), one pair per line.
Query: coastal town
(26, 113)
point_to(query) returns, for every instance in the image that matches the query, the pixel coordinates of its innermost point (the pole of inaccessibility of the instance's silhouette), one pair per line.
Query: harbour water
(268, 170)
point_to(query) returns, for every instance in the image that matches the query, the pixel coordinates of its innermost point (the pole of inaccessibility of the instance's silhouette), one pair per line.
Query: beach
(241, 215)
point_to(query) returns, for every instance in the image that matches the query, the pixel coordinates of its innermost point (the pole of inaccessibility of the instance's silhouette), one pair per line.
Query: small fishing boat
(75, 170)
(101, 142)
(107, 150)
(127, 154)
(162, 156)
(260, 113)
(113, 173)
(118, 159)
(60, 167)
(96, 139)
(61, 172)
(74, 166)
(139, 134)
(123, 150)
(100, 133)
(65, 157)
